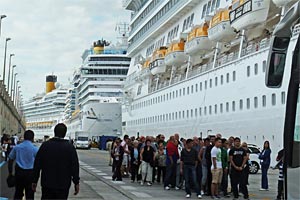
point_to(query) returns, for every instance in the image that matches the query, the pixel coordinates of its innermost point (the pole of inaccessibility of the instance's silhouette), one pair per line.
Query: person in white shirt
(216, 168)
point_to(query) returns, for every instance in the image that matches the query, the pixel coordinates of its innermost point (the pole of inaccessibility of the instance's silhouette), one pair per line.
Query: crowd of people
(205, 166)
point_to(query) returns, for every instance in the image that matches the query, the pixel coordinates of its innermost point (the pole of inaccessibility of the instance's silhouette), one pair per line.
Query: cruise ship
(45, 110)
(198, 68)
(94, 103)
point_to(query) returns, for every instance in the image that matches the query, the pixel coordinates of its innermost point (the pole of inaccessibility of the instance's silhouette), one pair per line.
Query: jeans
(204, 175)
(161, 170)
(199, 173)
(170, 175)
(179, 178)
(264, 177)
(60, 194)
(189, 171)
(280, 189)
(146, 171)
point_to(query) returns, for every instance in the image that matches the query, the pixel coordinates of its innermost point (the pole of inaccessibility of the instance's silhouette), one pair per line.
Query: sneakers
(188, 196)
(142, 182)
(177, 188)
(149, 183)
(202, 192)
(199, 196)
(167, 188)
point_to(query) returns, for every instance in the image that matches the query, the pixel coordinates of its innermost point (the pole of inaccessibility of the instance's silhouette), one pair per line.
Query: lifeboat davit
(247, 14)
(157, 63)
(280, 3)
(197, 41)
(175, 55)
(219, 28)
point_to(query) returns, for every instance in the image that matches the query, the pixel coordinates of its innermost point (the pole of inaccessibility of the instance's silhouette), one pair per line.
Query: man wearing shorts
(216, 168)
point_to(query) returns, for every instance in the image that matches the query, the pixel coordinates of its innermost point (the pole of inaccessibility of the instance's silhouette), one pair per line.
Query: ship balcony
(159, 27)
(98, 92)
(100, 84)
(133, 5)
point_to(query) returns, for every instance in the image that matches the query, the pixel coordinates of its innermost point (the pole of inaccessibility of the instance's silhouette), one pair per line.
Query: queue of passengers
(203, 165)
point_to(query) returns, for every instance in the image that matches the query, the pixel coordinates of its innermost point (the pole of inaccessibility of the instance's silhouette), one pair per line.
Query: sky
(49, 36)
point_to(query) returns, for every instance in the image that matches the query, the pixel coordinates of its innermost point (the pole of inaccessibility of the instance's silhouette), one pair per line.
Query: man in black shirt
(188, 164)
(58, 161)
(238, 159)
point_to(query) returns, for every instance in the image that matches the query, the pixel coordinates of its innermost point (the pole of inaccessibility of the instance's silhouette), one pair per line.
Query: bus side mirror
(276, 61)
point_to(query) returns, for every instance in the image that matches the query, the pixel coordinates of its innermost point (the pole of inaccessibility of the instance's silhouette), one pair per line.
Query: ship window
(183, 91)
(256, 69)
(196, 87)
(264, 66)
(173, 94)
(191, 21)
(210, 83)
(248, 71)
(188, 90)
(184, 24)
(208, 7)
(213, 5)
(192, 113)
(264, 101)
(158, 99)
(205, 83)
(255, 102)
(192, 89)
(227, 77)
(187, 114)
(222, 79)
(176, 93)
(200, 111)
(218, 3)
(221, 108)
(167, 96)
(176, 116)
(216, 108)
(248, 103)
(164, 97)
(210, 110)
(241, 104)
(170, 95)
(179, 115)
(188, 22)
(216, 81)
(172, 116)
(180, 92)
(203, 11)
(205, 110)
(233, 106)
(196, 112)
(283, 97)
(201, 86)
(233, 76)
(273, 99)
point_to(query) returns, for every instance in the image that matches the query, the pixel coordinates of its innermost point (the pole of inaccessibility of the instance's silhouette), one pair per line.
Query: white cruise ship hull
(97, 119)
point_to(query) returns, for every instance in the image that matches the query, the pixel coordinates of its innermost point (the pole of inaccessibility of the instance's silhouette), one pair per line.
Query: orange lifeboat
(197, 41)
(175, 55)
(219, 28)
(157, 63)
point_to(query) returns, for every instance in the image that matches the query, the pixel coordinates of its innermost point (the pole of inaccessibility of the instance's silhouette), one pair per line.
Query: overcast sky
(49, 36)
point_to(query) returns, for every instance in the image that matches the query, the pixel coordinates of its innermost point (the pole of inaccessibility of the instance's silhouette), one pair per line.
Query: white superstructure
(97, 91)
(219, 87)
(44, 111)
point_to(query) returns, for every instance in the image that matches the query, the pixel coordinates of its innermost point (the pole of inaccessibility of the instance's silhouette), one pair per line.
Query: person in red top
(172, 156)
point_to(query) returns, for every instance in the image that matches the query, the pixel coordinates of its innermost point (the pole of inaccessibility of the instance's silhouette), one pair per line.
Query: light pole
(9, 66)
(14, 87)
(1, 17)
(5, 49)
(12, 80)
(16, 93)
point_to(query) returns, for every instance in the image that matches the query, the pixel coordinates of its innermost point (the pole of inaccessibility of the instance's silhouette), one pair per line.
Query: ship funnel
(50, 83)
(98, 46)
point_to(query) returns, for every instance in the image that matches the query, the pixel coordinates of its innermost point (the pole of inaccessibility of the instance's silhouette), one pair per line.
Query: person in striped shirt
(279, 159)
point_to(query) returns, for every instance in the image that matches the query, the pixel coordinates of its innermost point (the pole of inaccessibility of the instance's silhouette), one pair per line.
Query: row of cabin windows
(210, 7)
(154, 20)
(255, 69)
(210, 110)
(157, 44)
(187, 91)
